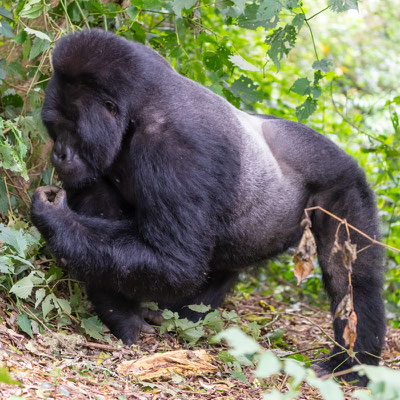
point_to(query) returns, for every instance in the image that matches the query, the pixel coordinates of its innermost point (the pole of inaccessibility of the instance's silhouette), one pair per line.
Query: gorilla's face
(87, 125)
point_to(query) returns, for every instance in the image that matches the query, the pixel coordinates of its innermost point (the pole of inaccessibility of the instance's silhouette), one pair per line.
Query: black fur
(170, 193)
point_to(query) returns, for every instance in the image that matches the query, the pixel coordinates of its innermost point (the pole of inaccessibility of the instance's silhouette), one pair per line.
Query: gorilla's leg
(212, 293)
(354, 201)
(124, 318)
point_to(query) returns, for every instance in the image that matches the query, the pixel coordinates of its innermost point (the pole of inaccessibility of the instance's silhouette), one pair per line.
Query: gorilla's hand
(49, 205)
(49, 197)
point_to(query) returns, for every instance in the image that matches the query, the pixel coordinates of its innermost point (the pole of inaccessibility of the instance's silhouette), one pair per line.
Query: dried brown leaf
(349, 254)
(165, 365)
(350, 331)
(304, 254)
(343, 309)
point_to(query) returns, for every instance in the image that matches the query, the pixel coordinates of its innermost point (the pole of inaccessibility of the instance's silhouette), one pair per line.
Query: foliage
(293, 59)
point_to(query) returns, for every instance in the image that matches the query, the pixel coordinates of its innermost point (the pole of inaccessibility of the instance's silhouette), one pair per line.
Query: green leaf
(226, 357)
(252, 19)
(179, 5)
(6, 378)
(241, 343)
(132, 12)
(25, 324)
(48, 304)
(6, 265)
(246, 89)
(93, 327)
(281, 41)
(40, 293)
(239, 376)
(32, 9)
(324, 65)
(17, 239)
(328, 388)
(268, 364)
(296, 370)
(242, 63)
(64, 305)
(301, 86)
(6, 29)
(306, 109)
(38, 47)
(200, 308)
(23, 288)
(343, 5)
(5, 13)
(39, 34)
(269, 9)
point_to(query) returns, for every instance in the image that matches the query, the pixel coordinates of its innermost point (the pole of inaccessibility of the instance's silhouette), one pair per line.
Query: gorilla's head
(89, 102)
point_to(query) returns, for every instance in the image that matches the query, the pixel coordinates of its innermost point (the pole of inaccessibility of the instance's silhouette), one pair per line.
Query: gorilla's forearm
(100, 249)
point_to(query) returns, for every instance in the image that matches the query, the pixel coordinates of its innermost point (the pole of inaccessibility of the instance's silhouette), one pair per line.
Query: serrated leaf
(269, 9)
(5, 13)
(200, 308)
(226, 357)
(241, 343)
(251, 19)
(6, 29)
(179, 5)
(239, 376)
(246, 90)
(301, 86)
(343, 5)
(23, 288)
(306, 109)
(132, 12)
(328, 388)
(281, 41)
(39, 34)
(48, 304)
(25, 324)
(15, 239)
(296, 370)
(38, 47)
(32, 9)
(268, 364)
(324, 65)
(64, 305)
(40, 293)
(242, 63)
(93, 327)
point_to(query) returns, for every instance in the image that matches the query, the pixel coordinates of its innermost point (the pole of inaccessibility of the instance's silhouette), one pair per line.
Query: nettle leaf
(268, 364)
(23, 288)
(179, 5)
(93, 327)
(6, 29)
(240, 62)
(269, 9)
(241, 343)
(32, 9)
(40, 293)
(64, 305)
(323, 65)
(48, 304)
(306, 109)
(246, 89)
(281, 41)
(39, 34)
(343, 5)
(301, 86)
(25, 324)
(251, 19)
(200, 308)
(132, 12)
(223, 4)
(17, 239)
(38, 47)
(5, 13)
(328, 388)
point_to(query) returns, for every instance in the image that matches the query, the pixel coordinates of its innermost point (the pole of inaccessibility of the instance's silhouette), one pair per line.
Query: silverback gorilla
(170, 191)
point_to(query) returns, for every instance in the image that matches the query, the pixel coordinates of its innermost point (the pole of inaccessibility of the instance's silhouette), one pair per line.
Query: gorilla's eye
(111, 107)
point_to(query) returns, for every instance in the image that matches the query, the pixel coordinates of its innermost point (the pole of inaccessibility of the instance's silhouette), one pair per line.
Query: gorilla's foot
(324, 369)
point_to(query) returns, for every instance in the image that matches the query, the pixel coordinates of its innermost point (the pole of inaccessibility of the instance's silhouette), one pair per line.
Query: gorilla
(170, 191)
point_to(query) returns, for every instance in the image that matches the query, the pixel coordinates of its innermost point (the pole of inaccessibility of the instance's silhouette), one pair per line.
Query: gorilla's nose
(61, 154)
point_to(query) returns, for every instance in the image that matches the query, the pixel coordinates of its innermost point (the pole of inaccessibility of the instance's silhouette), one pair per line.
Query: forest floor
(66, 366)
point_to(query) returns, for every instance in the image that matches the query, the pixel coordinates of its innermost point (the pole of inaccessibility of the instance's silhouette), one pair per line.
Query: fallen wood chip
(165, 365)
